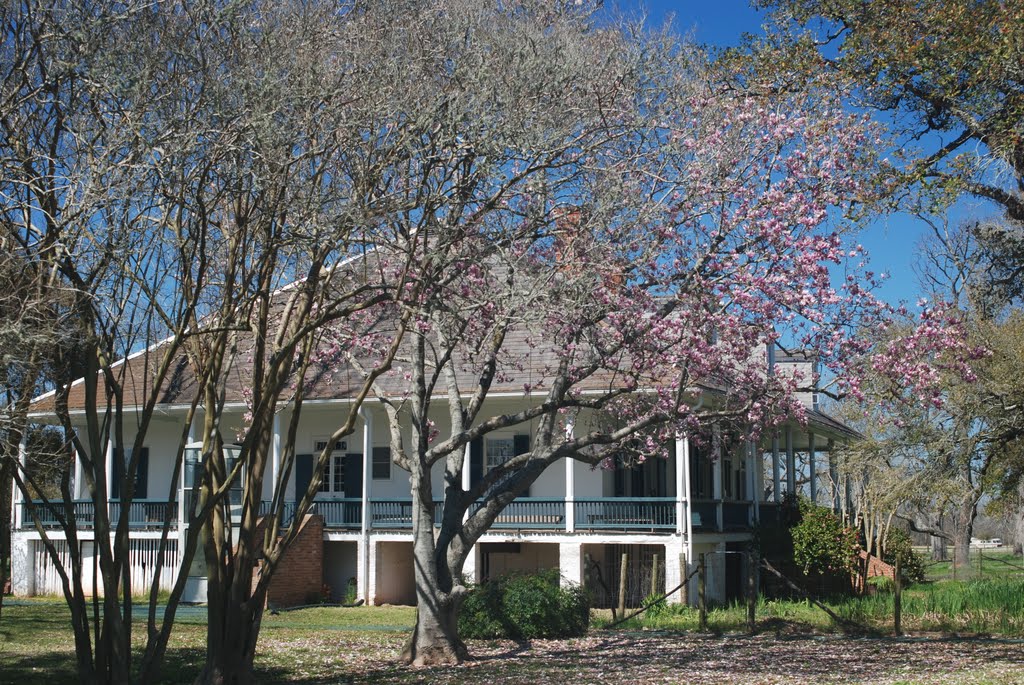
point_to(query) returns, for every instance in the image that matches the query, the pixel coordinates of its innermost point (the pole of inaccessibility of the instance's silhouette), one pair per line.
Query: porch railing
(146, 513)
(704, 514)
(656, 514)
(626, 513)
(344, 513)
(340, 513)
(141, 513)
(736, 515)
(397, 513)
(532, 513)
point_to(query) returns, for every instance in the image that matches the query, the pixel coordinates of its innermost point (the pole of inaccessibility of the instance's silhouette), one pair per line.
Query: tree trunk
(231, 635)
(938, 548)
(1018, 521)
(6, 495)
(963, 530)
(435, 639)
(234, 613)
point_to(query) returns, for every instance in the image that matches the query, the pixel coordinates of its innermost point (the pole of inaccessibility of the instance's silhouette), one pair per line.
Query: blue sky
(892, 241)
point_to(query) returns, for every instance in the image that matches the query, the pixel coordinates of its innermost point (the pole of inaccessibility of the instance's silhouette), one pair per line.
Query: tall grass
(994, 606)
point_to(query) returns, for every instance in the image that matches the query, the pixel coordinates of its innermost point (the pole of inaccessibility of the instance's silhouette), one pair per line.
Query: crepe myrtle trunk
(439, 589)
(234, 615)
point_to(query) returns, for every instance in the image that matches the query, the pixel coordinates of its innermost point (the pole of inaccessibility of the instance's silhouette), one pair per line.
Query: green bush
(821, 543)
(897, 546)
(525, 606)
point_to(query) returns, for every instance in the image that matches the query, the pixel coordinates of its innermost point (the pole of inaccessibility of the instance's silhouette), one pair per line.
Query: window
(741, 481)
(141, 474)
(334, 475)
(381, 467)
(700, 474)
(727, 476)
(499, 450)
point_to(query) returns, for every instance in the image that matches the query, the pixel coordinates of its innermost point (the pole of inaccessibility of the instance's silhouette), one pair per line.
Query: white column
(16, 518)
(673, 570)
(366, 555)
(76, 492)
(752, 492)
(366, 572)
(23, 565)
(367, 468)
(833, 470)
(682, 493)
(109, 461)
(275, 456)
(467, 481)
(470, 569)
(716, 574)
(570, 562)
(790, 463)
(182, 484)
(776, 469)
(688, 509)
(570, 484)
(813, 467)
(716, 476)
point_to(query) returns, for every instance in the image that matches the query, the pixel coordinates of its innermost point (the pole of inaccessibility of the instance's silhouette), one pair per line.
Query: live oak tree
(948, 76)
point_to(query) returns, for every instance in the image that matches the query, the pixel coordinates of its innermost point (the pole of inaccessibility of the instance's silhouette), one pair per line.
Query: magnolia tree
(628, 289)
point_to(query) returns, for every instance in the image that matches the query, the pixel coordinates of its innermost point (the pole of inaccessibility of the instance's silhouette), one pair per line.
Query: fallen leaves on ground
(662, 658)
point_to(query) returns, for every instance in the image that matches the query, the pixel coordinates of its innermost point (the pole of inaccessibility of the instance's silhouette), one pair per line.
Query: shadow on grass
(180, 668)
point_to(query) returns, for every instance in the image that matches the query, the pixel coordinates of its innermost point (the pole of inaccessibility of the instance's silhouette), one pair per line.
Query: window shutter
(619, 474)
(142, 475)
(118, 463)
(476, 461)
(521, 445)
(353, 475)
(303, 474)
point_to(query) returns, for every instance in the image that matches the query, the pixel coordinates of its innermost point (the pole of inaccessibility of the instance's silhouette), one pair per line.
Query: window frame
(385, 462)
(335, 467)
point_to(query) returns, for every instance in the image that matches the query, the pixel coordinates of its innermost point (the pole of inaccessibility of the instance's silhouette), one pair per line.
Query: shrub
(525, 606)
(821, 543)
(897, 546)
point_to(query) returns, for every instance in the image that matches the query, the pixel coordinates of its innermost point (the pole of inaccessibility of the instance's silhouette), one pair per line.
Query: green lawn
(984, 563)
(336, 645)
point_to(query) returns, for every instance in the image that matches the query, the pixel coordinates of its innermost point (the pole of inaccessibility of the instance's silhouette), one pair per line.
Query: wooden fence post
(623, 573)
(654, 576)
(751, 591)
(702, 595)
(897, 599)
(684, 571)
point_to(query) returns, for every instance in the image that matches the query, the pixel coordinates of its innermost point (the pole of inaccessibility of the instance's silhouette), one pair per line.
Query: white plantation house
(704, 499)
